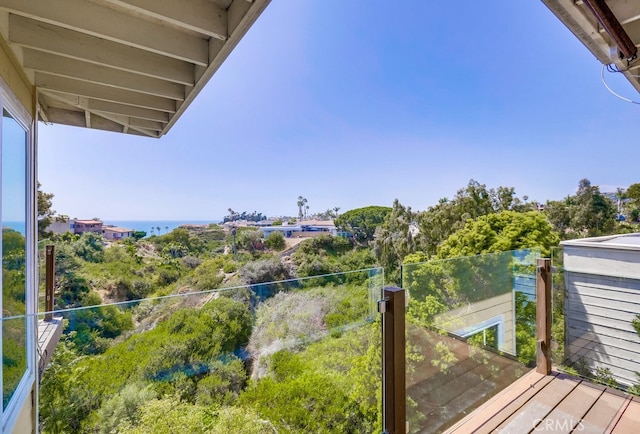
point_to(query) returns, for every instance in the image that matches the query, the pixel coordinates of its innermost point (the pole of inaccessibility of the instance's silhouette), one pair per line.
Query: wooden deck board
(488, 417)
(536, 409)
(556, 403)
(603, 414)
(49, 334)
(570, 411)
(445, 394)
(461, 396)
(629, 422)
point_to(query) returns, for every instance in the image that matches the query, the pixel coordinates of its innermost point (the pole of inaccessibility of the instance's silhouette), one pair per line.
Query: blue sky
(355, 103)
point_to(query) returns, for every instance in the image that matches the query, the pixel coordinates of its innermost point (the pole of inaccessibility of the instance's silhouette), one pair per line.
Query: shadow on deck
(555, 403)
(451, 379)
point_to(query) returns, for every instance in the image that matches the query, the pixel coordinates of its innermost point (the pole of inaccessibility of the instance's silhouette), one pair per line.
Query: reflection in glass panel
(14, 352)
(301, 355)
(470, 333)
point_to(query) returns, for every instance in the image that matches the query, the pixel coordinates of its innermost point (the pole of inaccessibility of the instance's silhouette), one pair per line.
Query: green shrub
(207, 275)
(265, 270)
(230, 267)
(167, 276)
(275, 241)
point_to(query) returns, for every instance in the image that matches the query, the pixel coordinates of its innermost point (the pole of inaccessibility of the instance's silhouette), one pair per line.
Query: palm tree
(306, 211)
(335, 210)
(152, 229)
(158, 229)
(166, 229)
(620, 194)
(301, 202)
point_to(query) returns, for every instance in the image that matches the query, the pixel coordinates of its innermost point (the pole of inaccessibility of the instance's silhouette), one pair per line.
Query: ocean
(165, 226)
(17, 226)
(150, 226)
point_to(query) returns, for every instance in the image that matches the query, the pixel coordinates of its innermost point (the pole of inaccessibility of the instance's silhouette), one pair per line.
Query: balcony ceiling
(576, 15)
(130, 66)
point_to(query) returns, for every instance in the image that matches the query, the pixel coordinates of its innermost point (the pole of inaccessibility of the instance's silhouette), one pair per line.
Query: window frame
(10, 103)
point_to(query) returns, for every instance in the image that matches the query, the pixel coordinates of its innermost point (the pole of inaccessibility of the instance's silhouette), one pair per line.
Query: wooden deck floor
(49, 334)
(442, 395)
(554, 403)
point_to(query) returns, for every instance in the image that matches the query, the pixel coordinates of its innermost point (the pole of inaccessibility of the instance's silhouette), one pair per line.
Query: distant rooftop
(629, 240)
(625, 241)
(87, 222)
(117, 229)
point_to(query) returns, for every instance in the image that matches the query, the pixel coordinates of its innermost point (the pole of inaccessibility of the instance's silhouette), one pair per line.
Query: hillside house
(60, 226)
(81, 226)
(113, 233)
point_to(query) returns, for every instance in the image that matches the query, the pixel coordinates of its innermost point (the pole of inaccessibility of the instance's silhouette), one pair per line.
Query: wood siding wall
(599, 311)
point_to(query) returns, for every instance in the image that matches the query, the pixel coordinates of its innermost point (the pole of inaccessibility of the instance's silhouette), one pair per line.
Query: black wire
(613, 68)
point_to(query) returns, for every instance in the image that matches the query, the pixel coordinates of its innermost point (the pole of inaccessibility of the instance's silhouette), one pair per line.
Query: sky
(355, 103)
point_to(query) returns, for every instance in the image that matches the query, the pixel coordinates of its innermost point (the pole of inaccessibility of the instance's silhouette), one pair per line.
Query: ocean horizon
(165, 226)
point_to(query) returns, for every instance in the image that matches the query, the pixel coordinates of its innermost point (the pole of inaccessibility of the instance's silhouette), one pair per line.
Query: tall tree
(362, 222)
(394, 240)
(633, 192)
(559, 215)
(592, 213)
(621, 195)
(499, 232)
(301, 203)
(440, 221)
(45, 212)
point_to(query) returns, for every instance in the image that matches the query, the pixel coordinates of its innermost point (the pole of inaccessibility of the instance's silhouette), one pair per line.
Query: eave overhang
(578, 17)
(130, 66)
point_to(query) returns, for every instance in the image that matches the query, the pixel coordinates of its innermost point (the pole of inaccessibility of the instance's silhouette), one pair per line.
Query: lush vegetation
(215, 355)
(212, 359)
(362, 222)
(14, 355)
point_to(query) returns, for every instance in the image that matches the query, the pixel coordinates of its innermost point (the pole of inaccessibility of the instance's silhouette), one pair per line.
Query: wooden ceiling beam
(127, 125)
(77, 119)
(199, 16)
(106, 23)
(137, 116)
(69, 43)
(41, 61)
(105, 93)
(135, 112)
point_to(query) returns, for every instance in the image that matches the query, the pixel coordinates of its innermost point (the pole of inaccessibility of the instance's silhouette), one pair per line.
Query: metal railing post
(50, 277)
(393, 366)
(543, 315)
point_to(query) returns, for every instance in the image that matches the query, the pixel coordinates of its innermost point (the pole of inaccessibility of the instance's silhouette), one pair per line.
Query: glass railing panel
(597, 311)
(300, 355)
(14, 285)
(470, 333)
(14, 355)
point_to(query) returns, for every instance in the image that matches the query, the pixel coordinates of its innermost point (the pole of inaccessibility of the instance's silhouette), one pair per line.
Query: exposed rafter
(100, 74)
(29, 33)
(105, 93)
(130, 66)
(199, 16)
(86, 17)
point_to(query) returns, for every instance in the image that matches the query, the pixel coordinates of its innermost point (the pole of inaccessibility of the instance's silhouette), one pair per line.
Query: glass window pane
(14, 219)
